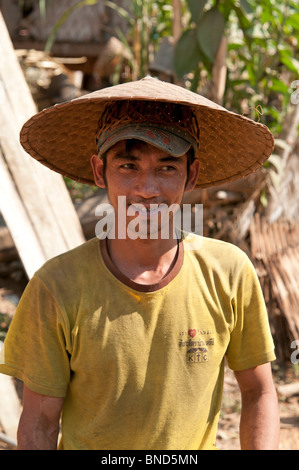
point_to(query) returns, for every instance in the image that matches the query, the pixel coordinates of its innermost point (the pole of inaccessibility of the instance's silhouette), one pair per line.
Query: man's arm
(39, 422)
(260, 423)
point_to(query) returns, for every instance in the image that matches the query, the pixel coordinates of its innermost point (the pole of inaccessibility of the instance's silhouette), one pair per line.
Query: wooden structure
(275, 254)
(34, 201)
(86, 33)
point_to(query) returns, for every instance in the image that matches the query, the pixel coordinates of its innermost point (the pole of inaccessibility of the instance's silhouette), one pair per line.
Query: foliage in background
(262, 60)
(262, 38)
(148, 22)
(5, 321)
(262, 56)
(262, 48)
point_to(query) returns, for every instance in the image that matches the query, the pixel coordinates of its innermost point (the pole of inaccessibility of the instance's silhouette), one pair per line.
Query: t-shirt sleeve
(35, 348)
(251, 342)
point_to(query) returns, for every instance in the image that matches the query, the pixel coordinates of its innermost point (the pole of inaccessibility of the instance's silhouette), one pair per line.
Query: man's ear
(193, 175)
(98, 171)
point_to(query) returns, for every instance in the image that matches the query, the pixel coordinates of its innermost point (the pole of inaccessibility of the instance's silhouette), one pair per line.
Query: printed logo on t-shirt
(196, 343)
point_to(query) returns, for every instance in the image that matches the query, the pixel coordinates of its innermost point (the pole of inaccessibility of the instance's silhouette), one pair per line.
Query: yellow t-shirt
(140, 367)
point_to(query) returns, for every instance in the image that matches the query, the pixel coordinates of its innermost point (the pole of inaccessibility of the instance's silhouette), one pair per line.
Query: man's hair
(119, 113)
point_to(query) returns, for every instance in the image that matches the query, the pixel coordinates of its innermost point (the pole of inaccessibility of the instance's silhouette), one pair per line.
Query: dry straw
(63, 137)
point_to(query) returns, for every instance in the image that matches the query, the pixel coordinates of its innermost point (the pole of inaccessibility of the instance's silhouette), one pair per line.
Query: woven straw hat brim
(63, 137)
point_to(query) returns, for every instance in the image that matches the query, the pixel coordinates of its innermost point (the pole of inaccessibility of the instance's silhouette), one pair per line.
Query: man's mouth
(147, 210)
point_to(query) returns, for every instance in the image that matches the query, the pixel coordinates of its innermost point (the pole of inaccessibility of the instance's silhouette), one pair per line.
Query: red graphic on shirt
(192, 333)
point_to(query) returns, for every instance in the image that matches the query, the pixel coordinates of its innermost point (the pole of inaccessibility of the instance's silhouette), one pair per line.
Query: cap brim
(163, 139)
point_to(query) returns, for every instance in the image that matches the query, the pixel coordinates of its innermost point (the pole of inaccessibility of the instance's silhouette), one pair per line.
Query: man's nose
(146, 186)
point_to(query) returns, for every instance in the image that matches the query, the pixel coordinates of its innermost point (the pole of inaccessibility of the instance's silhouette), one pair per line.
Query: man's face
(145, 175)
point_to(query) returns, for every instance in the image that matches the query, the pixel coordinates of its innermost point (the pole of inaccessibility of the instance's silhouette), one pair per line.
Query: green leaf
(278, 86)
(291, 63)
(293, 20)
(187, 53)
(245, 22)
(234, 46)
(210, 31)
(245, 5)
(42, 9)
(264, 198)
(252, 75)
(121, 11)
(196, 9)
(266, 16)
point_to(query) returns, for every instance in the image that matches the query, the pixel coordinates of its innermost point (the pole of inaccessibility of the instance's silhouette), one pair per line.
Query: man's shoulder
(80, 258)
(216, 254)
(224, 247)
(212, 247)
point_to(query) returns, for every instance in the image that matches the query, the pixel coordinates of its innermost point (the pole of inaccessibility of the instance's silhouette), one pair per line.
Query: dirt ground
(11, 288)
(228, 430)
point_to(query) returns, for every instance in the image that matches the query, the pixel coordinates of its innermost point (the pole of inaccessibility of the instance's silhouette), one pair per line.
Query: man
(127, 336)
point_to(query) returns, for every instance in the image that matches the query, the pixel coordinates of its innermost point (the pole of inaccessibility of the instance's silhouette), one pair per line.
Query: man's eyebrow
(124, 156)
(170, 158)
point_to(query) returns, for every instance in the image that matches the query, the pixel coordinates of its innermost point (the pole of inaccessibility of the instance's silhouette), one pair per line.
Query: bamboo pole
(47, 205)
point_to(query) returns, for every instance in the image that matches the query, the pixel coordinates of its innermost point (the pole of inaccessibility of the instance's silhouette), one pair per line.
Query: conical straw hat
(63, 137)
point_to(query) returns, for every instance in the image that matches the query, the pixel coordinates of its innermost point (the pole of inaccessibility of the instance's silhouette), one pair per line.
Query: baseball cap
(167, 138)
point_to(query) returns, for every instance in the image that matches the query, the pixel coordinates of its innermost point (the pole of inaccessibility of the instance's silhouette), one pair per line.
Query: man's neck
(143, 261)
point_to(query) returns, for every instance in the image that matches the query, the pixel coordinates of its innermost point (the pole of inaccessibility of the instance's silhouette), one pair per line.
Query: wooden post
(14, 213)
(34, 201)
(47, 206)
(219, 73)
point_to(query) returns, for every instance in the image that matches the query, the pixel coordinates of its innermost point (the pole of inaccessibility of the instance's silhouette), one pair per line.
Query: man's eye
(167, 168)
(128, 166)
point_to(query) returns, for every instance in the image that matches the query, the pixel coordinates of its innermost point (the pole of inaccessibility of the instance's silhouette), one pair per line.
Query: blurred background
(244, 55)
